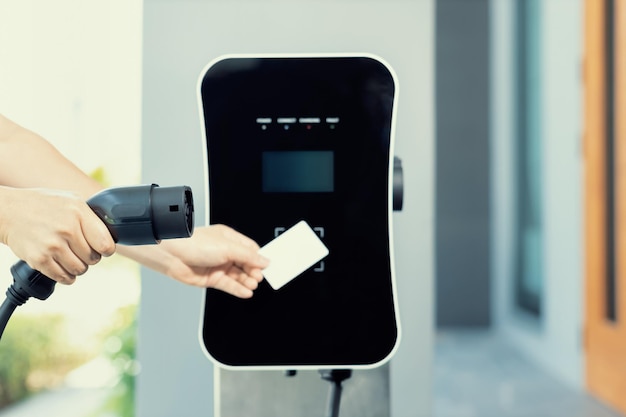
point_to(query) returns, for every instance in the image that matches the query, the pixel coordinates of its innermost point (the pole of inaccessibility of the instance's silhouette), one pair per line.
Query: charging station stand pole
(336, 377)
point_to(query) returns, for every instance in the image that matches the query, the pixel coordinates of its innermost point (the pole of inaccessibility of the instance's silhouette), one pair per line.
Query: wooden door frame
(605, 340)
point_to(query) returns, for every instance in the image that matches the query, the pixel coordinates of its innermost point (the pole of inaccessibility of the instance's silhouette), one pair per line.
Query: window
(610, 158)
(529, 230)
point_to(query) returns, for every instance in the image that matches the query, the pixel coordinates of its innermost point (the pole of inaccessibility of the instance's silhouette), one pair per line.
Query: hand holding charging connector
(136, 215)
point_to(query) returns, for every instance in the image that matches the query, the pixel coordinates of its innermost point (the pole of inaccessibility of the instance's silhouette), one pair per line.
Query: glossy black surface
(335, 115)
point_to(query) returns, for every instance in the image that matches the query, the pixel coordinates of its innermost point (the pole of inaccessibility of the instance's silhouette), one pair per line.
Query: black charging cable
(25, 285)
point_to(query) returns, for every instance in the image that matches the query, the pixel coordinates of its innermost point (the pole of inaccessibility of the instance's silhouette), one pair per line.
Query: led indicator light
(309, 120)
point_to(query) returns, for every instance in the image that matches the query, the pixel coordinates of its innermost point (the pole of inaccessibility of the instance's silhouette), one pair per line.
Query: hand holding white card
(292, 253)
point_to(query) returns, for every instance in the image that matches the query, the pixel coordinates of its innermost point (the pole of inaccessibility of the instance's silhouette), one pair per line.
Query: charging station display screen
(298, 172)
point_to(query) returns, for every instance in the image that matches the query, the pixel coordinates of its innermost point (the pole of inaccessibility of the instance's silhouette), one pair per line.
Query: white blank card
(292, 253)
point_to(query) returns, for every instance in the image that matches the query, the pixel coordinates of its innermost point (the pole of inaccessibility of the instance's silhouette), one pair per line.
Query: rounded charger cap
(172, 212)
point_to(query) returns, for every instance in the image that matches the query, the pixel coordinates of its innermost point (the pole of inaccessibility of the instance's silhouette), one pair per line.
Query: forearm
(154, 257)
(29, 161)
(216, 257)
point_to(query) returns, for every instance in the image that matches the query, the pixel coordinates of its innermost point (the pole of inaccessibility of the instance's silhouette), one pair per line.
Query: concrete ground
(475, 375)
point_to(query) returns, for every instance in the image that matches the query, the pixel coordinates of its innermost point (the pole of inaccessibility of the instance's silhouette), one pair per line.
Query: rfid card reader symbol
(319, 230)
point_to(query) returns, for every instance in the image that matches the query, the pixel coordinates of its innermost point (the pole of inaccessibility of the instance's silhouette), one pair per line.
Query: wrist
(6, 194)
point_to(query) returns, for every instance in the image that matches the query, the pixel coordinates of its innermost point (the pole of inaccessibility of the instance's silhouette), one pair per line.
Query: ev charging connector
(135, 215)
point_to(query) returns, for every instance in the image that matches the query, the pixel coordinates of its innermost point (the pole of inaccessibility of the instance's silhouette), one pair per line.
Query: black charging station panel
(304, 138)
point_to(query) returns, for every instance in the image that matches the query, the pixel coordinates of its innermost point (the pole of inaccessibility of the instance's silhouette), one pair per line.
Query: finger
(70, 263)
(254, 273)
(242, 277)
(97, 235)
(81, 248)
(246, 257)
(233, 287)
(250, 283)
(53, 270)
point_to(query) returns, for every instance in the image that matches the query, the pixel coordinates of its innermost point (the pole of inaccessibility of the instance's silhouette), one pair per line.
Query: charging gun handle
(27, 283)
(135, 215)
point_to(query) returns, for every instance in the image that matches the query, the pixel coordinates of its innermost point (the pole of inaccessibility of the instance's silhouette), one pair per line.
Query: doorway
(605, 202)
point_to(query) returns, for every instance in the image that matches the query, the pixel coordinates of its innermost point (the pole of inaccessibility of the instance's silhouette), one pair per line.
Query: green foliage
(34, 356)
(120, 343)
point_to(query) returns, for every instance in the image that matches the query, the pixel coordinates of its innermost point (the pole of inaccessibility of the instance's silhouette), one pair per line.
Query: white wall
(180, 37)
(553, 341)
(70, 70)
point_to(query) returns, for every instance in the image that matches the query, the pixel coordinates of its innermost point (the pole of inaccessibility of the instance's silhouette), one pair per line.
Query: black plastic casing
(304, 138)
(145, 214)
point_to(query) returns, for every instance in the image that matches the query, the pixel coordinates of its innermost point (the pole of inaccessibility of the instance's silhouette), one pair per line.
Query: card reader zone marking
(320, 266)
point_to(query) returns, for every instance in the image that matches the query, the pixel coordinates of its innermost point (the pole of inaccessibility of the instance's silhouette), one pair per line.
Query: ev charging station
(305, 138)
(285, 92)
